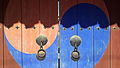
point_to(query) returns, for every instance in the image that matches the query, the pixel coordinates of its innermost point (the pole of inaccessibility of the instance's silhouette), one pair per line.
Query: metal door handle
(75, 41)
(75, 55)
(41, 41)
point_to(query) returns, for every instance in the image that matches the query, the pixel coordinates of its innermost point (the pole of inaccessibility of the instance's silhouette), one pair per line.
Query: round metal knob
(75, 41)
(41, 54)
(75, 55)
(41, 40)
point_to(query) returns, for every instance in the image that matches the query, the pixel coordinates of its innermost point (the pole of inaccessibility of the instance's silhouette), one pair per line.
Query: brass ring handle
(75, 41)
(41, 41)
(41, 54)
(75, 55)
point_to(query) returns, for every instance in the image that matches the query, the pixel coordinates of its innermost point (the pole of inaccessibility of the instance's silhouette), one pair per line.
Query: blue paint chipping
(30, 60)
(94, 41)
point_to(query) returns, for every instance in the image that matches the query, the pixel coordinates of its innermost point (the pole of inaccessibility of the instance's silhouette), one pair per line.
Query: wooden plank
(1, 35)
(87, 46)
(65, 5)
(105, 60)
(86, 19)
(49, 28)
(86, 51)
(1, 45)
(115, 33)
(115, 43)
(67, 22)
(12, 42)
(48, 12)
(101, 4)
(65, 48)
(30, 31)
(49, 20)
(41, 14)
(30, 17)
(112, 6)
(48, 17)
(102, 40)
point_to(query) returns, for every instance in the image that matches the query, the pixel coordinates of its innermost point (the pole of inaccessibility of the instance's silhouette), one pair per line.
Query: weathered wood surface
(115, 46)
(1, 36)
(12, 17)
(24, 21)
(1, 46)
(112, 7)
(65, 5)
(28, 13)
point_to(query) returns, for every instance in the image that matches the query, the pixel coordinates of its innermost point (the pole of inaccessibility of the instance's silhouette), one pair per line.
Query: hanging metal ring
(41, 54)
(75, 55)
(41, 41)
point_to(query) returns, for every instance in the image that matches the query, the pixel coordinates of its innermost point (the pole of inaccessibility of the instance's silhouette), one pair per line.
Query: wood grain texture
(49, 20)
(30, 16)
(33, 17)
(105, 60)
(9, 61)
(65, 35)
(115, 46)
(39, 17)
(1, 35)
(66, 4)
(113, 6)
(1, 46)
(12, 16)
(49, 28)
(30, 12)
(101, 4)
(66, 48)
(48, 13)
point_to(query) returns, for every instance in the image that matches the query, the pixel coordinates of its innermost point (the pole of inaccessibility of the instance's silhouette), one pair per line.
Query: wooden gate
(78, 33)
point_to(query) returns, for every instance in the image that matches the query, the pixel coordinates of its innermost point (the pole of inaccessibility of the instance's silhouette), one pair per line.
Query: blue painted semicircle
(80, 16)
(86, 14)
(30, 60)
(94, 41)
